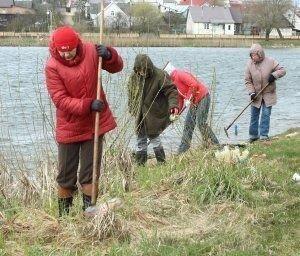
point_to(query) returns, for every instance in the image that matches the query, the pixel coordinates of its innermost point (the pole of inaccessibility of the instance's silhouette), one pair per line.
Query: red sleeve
(60, 97)
(190, 81)
(115, 63)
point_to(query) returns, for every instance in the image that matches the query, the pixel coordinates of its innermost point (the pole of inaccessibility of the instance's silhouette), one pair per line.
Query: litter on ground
(290, 135)
(296, 177)
(104, 208)
(231, 156)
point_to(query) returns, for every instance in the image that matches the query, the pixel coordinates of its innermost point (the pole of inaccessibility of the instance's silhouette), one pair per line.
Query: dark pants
(142, 142)
(197, 115)
(69, 157)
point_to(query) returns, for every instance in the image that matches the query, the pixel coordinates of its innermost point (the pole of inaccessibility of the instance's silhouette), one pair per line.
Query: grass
(152, 41)
(193, 205)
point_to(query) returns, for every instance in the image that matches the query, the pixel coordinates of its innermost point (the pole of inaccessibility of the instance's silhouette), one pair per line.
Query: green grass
(193, 205)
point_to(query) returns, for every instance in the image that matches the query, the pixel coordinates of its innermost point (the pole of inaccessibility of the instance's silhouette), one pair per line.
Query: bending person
(152, 97)
(194, 95)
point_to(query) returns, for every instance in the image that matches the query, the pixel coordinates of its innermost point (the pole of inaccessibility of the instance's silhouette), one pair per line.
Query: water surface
(27, 119)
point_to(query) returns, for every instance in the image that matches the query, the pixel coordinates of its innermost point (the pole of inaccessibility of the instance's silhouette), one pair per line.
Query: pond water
(26, 114)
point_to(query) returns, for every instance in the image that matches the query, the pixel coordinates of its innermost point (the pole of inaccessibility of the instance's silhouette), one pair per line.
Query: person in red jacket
(194, 95)
(71, 79)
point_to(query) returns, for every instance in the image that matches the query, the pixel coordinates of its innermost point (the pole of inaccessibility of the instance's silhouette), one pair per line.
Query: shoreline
(41, 40)
(193, 204)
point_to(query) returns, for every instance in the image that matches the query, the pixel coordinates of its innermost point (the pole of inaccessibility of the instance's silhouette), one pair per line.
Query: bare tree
(174, 21)
(48, 12)
(119, 23)
(21, 23)
(146, 18)
(268, 14)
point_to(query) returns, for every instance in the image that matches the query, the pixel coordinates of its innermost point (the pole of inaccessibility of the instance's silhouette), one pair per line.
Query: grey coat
(257, 74)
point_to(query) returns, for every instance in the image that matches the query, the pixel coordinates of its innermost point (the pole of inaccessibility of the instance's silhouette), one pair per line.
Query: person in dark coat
(71, 79)
(152, 98)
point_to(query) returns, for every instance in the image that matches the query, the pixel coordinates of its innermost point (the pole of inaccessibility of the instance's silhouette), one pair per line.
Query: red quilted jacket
(188, 87)
(72, 86)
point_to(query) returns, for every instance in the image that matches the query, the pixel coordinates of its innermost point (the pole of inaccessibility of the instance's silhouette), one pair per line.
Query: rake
(228, 127)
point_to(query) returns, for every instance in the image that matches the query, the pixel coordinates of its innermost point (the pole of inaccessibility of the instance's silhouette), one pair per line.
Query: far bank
(149, 40)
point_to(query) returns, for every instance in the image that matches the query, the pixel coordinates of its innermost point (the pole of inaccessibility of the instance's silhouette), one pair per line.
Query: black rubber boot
(64, 205)
(251, 140)
(160, 154)
(87, 201)
(141, 157)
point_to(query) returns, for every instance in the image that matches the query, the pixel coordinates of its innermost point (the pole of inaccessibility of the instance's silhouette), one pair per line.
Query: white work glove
(187, 103)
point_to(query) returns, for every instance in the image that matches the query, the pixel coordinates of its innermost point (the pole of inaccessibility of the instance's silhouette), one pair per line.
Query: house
(114, 14)
(69, 11)
(24, 3)
(237, 16)
(210, 20)
(126, 8)
(172, 6)
(9, 11)
(93, 10)
(293, 16)
(286, 28)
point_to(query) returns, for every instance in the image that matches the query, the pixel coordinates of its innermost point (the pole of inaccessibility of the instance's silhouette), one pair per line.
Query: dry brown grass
(165, 210)
(153, 41)
(32, 224)
(22, 186)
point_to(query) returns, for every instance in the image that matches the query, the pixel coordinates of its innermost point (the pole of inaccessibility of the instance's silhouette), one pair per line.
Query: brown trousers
(70, 156)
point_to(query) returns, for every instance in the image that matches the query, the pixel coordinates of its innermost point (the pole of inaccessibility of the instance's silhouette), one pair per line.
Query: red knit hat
(65, 39)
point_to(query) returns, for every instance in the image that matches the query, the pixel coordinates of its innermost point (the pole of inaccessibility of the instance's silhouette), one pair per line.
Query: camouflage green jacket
(150, 97)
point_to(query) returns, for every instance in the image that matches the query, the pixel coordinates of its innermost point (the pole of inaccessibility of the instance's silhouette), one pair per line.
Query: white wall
(231, 30)
(110, 13)
(95, 18)
(212, 29)
(189, 24)
(285, 32)
(218, 29)
(293, 19)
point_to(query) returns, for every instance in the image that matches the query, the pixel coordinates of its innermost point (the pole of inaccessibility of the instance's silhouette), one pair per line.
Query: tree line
(146, 18)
